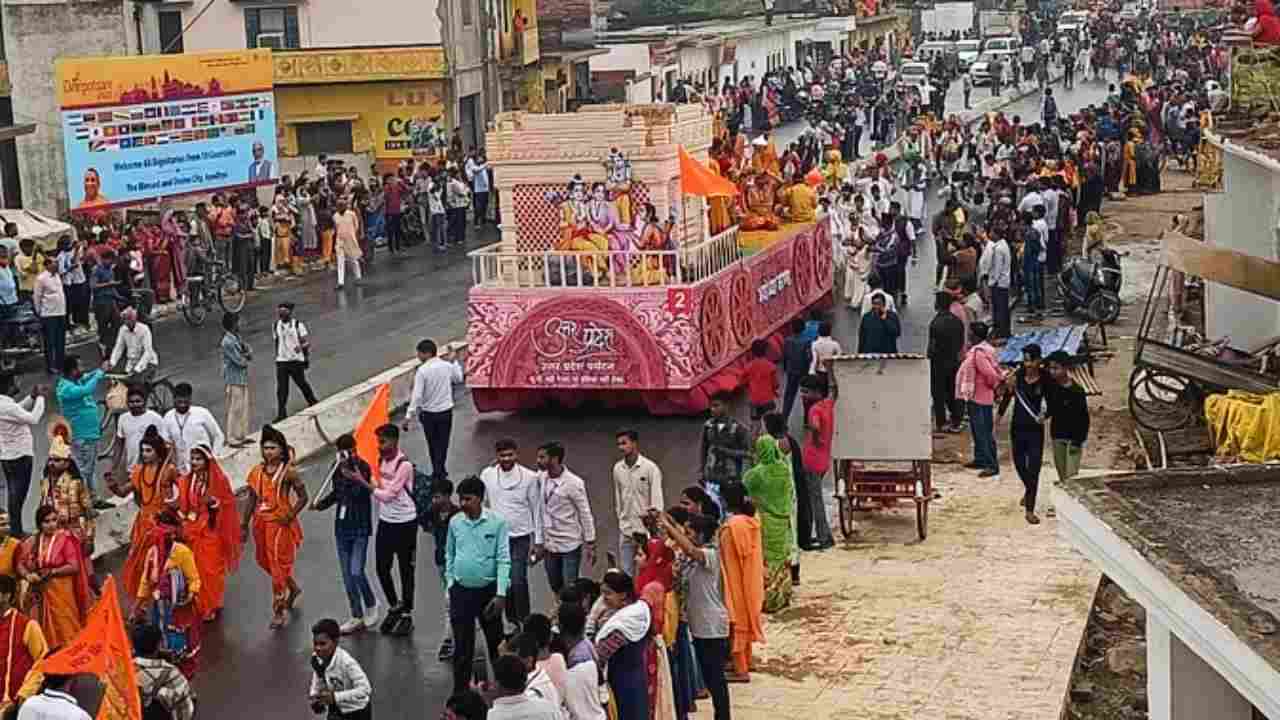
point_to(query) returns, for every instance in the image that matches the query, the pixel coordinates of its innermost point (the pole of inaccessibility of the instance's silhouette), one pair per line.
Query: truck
(945, 18)
(993, 23)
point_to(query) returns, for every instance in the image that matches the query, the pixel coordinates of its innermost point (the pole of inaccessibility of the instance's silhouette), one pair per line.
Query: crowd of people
(671, 617)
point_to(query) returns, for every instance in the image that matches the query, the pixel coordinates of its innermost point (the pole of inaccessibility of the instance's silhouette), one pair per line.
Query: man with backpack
(396, 538)
(293, 347)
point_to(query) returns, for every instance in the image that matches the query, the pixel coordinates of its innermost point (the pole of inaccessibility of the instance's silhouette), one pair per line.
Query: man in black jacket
(946, 347)
(1069, 416)
(880, 329)
(797, 357)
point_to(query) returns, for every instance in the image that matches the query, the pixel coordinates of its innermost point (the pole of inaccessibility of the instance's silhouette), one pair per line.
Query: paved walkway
(981, 621)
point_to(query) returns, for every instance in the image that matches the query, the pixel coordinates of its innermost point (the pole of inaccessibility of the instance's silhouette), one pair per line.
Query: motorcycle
(1093, 284)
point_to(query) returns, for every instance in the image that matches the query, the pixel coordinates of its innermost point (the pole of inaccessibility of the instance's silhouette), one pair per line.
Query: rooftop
(1213, 532)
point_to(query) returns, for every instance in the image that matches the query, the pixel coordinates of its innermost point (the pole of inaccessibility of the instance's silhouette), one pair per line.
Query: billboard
(140, 128)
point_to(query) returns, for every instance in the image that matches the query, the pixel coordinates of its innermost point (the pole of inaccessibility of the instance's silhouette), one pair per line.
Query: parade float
(609, 286)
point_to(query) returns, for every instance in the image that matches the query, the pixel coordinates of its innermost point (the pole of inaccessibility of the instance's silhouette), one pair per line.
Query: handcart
(883, 439)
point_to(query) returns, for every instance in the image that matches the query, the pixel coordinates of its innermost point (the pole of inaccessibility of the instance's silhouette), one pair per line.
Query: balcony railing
(494, 267)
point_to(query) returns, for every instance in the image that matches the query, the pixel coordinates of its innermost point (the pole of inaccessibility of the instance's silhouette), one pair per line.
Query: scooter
(1093, 285)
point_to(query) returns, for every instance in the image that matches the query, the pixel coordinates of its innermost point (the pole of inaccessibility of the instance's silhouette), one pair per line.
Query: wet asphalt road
(357, 334)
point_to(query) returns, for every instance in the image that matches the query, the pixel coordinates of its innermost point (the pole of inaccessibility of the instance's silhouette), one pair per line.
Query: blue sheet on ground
(1066, 338)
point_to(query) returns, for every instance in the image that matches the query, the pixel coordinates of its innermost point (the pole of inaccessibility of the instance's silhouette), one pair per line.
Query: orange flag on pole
(697, 179)
(375, 416)
(102, 648)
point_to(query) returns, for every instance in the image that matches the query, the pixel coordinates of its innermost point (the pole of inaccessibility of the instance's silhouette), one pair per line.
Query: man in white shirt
(824, 348)
(188, 426)
(432, 401)
(637, 486)
(339, 686)
(131, 426)
(17, 447)
(1049, 232)
(538, 684)
(293, 345)
(999, 280)
(1032, 199)
(567, 523)
(512, 703)
(133, 345)
(514, 493)
(582, 681)
(50, 303)
(53, 702)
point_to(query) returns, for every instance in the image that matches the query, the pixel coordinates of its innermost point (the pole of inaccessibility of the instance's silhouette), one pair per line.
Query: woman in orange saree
(207, 508)
(153, 485)
(742, 563)
(53, 565)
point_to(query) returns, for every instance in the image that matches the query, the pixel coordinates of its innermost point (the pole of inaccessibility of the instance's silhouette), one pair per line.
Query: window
(330, 138)
(468, 16)
(170, 22)
(271, 27)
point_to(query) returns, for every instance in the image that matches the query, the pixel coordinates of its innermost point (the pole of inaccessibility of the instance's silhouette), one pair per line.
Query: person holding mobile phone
(352, 494)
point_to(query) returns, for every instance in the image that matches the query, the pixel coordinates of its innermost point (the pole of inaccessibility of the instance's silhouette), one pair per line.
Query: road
(358, 333)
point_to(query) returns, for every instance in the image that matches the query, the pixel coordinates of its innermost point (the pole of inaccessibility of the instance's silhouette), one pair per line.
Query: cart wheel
(922, 518)
(845, 507)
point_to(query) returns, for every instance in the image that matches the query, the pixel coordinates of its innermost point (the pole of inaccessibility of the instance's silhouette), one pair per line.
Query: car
(1073, 17)
(914, 74)
(980, 69)
(1003, 43)
(968, 51)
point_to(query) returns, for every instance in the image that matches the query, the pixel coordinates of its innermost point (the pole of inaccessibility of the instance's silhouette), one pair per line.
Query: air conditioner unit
(274, 40)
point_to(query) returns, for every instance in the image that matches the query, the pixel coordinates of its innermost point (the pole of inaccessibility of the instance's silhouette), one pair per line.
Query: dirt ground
(1109, 682)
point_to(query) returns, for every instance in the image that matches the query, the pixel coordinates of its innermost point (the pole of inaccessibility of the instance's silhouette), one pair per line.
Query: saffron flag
(697, 179)
(103, 649)
(375, 416)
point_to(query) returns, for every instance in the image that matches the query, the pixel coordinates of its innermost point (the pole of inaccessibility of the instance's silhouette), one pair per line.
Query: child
(338, 683)
(442, 510)
(762, 382)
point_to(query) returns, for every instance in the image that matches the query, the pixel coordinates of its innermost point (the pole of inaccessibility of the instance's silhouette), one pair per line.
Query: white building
(1191, 547)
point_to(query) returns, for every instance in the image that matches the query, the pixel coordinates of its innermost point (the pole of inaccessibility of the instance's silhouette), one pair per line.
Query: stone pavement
(981, 621)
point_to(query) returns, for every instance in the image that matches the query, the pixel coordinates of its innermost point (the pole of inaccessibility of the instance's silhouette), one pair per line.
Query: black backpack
(421, 496)
(397, 624)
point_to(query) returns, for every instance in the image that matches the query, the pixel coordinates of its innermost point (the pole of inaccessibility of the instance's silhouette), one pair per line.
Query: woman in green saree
(773, 490)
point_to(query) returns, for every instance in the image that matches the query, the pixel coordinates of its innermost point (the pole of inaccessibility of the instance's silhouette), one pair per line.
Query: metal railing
(492, 266)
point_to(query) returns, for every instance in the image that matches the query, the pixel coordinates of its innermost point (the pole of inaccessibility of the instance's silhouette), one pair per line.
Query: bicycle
(218, 282)
(159, 398)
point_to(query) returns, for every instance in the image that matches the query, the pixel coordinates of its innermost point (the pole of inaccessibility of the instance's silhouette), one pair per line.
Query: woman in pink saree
(174, 228)
(603, 219)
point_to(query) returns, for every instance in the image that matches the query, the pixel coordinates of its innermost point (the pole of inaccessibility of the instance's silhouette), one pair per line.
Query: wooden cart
(883, 439)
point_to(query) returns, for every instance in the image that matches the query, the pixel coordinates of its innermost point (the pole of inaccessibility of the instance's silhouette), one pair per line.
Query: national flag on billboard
(75, 119)
(127, 143)
(162, 139)
(95, 132)
(97, 146)
(82, 133)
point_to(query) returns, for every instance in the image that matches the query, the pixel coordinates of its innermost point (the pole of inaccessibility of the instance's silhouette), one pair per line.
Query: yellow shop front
(379, 106)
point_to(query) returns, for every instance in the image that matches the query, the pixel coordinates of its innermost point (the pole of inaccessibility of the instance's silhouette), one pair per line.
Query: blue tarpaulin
(1066, 338)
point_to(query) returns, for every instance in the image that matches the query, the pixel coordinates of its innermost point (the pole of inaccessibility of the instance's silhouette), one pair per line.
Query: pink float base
(690, 401)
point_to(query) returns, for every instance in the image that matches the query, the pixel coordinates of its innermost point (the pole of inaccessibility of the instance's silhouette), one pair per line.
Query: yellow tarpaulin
(1245, 425)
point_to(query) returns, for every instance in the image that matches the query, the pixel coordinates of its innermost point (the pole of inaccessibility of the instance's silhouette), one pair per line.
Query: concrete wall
(320, 24)
(1182, 686)
(464, 50)
(754, 52)
(35, 34)
(1244, 217)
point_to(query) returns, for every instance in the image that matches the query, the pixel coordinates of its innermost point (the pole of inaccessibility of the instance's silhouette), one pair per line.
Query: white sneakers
(371, 615)
(352, 626)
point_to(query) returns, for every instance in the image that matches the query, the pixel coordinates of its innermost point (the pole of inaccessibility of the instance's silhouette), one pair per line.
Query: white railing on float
(492, 266)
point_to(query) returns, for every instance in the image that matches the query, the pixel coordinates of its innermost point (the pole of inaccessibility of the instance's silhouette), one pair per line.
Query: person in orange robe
(169, 594)
(9, 546)
(22, 645)
(277, 534)
(207, 507)
(53, 564)
(153, 483)
(742, 563)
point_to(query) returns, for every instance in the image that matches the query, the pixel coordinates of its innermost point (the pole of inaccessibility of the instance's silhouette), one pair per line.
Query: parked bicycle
(159, 398)
(218, 283)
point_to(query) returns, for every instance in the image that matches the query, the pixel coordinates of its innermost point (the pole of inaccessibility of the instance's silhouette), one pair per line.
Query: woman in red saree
(656, 663)
(58, 596)
(174, 229)
(155, 248)
(210, 527)
(153, 485)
